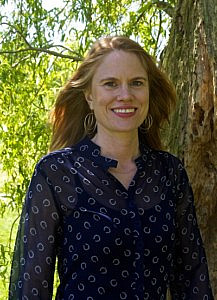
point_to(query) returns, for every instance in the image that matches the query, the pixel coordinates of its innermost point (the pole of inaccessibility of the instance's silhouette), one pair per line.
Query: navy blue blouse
(111, 242)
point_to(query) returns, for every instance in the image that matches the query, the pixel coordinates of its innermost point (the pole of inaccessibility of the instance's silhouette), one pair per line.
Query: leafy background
(40, 46)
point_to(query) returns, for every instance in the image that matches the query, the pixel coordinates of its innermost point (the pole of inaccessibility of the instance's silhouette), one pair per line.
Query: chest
(124, 178)
(101, 202)
(110, 233)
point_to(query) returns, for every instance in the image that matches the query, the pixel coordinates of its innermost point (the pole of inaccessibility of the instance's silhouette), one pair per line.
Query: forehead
(119, 62)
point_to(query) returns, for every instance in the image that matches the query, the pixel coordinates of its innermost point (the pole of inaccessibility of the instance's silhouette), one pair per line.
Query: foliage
(40, 47)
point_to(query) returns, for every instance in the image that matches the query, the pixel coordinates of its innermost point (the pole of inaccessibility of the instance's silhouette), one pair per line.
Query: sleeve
(35, 249)
(190, 279)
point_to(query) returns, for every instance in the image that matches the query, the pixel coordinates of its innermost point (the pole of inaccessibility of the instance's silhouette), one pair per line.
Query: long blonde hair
(71, 107)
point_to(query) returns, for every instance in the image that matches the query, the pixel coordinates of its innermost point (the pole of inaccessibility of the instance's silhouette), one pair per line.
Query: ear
(89, 100)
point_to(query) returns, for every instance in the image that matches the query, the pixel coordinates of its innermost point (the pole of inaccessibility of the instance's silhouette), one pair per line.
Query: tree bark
(190, 59)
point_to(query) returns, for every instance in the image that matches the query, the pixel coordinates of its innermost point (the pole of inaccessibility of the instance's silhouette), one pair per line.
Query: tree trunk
(190, 59)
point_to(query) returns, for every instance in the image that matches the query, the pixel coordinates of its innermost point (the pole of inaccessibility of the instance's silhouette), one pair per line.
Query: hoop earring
(146, 125)
(90, 123)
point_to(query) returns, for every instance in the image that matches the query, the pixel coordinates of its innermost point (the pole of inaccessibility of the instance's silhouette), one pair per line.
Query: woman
(114, 208)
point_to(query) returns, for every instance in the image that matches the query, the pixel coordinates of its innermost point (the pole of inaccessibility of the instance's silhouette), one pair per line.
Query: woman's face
(119, 94)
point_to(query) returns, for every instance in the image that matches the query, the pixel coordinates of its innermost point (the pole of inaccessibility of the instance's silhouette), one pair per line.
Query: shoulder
(167, 163)
(174, 166)
(56, 159)
(165, 158)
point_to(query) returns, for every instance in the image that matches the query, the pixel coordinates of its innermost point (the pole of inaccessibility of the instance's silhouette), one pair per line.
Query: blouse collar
(93, 152)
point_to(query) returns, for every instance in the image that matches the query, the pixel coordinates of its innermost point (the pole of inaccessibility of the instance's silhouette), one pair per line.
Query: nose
(124, 93)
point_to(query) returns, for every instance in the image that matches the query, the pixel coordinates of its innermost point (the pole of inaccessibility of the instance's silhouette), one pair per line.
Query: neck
(124, 148)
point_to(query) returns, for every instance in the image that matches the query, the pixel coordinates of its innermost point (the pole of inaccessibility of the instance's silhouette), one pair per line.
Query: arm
(190, 279)
(35, 249)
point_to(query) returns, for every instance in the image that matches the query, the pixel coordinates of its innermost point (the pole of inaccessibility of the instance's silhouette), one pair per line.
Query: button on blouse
(111, 242)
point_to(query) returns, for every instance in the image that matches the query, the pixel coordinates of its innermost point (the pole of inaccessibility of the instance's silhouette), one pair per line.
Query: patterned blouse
(111, 242)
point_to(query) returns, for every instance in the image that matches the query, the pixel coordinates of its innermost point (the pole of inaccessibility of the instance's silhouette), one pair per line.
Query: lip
(123, 114)
(124, 107)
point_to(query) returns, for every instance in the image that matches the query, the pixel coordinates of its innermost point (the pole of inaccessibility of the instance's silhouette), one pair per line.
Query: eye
(137, 83)
(110, 84)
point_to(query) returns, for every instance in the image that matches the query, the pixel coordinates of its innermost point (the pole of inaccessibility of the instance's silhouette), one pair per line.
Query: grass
(6, 222)
(9, 221)
(7, 246)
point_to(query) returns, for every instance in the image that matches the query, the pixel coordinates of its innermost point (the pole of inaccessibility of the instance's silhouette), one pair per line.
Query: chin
(126, 130)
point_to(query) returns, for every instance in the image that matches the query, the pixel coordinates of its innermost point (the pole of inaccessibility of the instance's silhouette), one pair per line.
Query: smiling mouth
(124, 110)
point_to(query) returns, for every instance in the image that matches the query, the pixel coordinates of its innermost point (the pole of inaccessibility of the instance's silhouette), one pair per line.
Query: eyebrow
(140, 77)
(134, 78)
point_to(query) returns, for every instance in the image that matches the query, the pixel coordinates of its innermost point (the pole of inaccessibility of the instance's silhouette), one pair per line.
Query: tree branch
(161, 5)
(21, 60)
(169, 9)
(18, 31)
(159, 31)
(139, 17)
(61, 46)
(43, 49)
